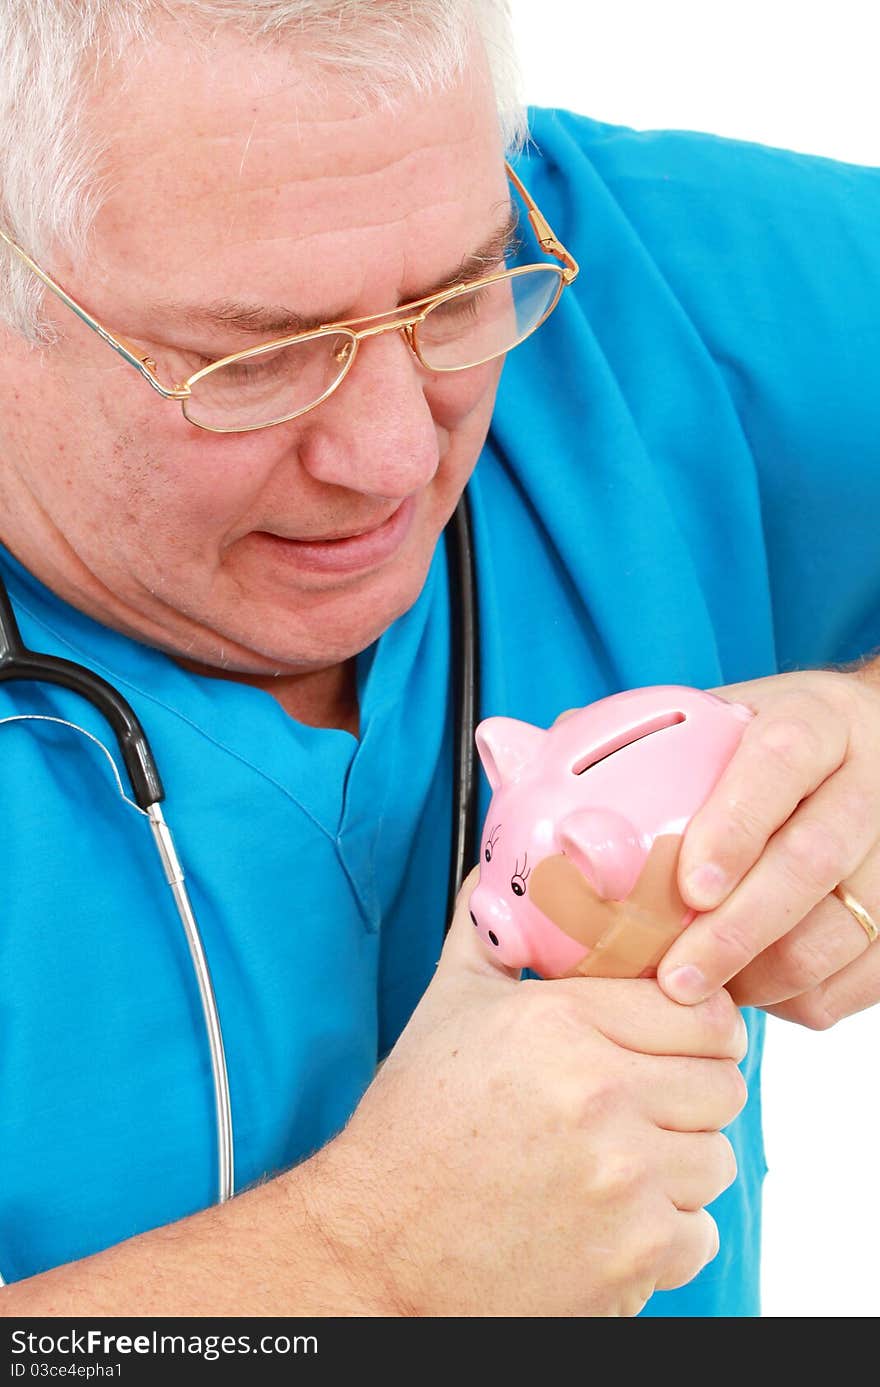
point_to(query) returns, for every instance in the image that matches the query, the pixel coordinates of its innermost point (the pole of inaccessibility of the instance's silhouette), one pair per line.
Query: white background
(803, 76)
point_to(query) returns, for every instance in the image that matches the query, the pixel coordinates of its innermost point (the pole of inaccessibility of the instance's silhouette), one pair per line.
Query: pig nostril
(474, 918)
(494, 938)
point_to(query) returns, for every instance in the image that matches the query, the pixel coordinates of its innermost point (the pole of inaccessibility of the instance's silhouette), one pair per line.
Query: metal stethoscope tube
(17, 662)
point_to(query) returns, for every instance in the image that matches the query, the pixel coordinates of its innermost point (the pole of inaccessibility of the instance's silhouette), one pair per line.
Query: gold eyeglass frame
(403, 319)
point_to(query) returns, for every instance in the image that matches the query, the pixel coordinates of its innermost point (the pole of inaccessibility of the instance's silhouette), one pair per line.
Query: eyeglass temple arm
(543, 231)
(144, 364)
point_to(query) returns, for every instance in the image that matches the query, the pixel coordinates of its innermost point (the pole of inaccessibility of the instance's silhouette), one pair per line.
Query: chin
(333, 626)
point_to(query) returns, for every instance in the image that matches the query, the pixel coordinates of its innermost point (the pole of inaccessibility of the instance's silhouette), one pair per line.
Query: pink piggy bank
(579, 853)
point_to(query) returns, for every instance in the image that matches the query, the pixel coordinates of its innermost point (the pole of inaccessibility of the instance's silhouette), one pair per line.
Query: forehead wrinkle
(267, 319)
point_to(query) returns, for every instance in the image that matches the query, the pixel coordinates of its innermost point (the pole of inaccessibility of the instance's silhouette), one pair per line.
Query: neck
(323, 698)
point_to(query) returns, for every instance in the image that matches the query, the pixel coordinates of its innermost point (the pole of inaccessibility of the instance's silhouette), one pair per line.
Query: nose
(497, 926)
(493, 938)
(376, 433)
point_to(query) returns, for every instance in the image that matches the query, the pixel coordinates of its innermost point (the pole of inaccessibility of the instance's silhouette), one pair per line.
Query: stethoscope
(18, 662)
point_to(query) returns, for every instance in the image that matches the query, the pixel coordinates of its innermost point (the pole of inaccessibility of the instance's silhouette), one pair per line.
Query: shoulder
(565, 141)
(693, 199)
(749, 239)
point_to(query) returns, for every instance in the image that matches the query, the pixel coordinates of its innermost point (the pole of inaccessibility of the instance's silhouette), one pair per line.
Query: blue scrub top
(681, 485)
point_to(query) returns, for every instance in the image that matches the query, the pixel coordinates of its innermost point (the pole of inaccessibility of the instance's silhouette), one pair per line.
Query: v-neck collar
(319, 768)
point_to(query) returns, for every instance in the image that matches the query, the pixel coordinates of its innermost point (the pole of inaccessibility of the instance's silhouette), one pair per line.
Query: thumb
(463, 950)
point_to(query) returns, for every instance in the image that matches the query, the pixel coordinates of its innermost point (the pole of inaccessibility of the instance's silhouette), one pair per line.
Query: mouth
(346, 551)
(341, 534)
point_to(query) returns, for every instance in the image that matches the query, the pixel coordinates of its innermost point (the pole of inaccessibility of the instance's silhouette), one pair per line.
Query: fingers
(697, 1167)
(689, 1095)
(823, 843)
(695, 1243)
(784, 754)
(851, 990)
(822, 945)
(794, 813)
(637, 1014)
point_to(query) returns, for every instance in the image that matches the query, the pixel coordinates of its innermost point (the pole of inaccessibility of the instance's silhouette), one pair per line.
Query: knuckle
(788, 740)
(813, 855)
(622, 1174)
(733, 1091)
(812, 1010)
(727, 1162)
(694, 1246)
(713, 1240)
(857, 804)
(745, 822)
(806, 960)
(575, 1099)
(722, 1022)
(546, 1011)
(650, 1253)
(732, 937)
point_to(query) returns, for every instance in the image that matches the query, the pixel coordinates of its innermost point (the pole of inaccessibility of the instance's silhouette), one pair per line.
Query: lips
(340, 534)
(342, 553)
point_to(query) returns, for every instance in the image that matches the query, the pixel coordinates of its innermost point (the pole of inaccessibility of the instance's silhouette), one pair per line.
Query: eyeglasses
(454, 330)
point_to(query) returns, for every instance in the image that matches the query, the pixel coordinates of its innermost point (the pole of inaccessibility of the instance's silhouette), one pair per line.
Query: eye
(491, 843)
(257, 370)
(518, 880)
(462, 307)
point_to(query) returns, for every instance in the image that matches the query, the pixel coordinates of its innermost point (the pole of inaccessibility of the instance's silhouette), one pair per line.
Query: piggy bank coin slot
(658, 723)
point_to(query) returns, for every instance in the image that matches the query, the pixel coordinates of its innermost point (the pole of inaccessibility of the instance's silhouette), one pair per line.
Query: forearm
(266, 1252)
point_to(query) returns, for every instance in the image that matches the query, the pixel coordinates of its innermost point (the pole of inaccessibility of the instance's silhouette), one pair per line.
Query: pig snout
(498, 929)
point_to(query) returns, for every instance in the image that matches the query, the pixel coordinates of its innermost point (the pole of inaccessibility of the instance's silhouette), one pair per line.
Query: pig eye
(518, 880)
(490, 846)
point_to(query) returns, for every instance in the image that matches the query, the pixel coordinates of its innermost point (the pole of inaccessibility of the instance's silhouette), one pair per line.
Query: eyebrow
(272, 321)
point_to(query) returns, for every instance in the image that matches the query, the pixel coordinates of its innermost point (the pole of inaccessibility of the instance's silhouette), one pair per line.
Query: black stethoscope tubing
(465, 641)
(19, 663)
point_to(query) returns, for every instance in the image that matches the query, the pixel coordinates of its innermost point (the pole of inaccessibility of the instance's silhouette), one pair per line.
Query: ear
(506, 747)
(605, 847)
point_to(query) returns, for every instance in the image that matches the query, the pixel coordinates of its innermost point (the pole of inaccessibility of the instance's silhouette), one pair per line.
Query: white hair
(50, 50)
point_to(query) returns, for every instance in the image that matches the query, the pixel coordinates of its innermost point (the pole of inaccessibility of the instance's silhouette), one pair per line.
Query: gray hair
(50, 190)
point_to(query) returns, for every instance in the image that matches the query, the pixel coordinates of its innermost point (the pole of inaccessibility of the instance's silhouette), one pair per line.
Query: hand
(796, 812)
(537, 1148)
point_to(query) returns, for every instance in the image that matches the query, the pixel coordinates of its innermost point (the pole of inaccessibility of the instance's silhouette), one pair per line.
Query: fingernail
(707, 886)
(685, 984)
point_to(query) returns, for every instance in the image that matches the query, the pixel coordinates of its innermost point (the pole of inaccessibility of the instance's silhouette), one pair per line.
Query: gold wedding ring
(858, 910)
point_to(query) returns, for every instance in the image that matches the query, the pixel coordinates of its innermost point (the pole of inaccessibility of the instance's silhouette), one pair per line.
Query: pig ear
(506, 746)
(605, 847)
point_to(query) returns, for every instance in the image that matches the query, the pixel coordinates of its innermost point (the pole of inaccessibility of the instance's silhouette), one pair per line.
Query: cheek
(192, 483)
(462, 400)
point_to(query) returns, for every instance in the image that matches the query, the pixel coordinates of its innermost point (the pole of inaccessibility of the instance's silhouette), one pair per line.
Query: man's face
(230, 181)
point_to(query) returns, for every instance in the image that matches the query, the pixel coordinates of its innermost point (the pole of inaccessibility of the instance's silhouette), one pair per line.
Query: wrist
(342, 1214)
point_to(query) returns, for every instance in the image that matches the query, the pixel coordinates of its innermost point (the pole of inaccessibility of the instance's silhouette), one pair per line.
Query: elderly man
(675, 483)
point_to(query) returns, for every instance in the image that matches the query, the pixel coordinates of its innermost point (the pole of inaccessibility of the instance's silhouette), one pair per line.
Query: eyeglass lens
(456, 333)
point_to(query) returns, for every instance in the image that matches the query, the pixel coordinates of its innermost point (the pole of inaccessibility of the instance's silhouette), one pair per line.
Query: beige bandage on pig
(626, 937)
